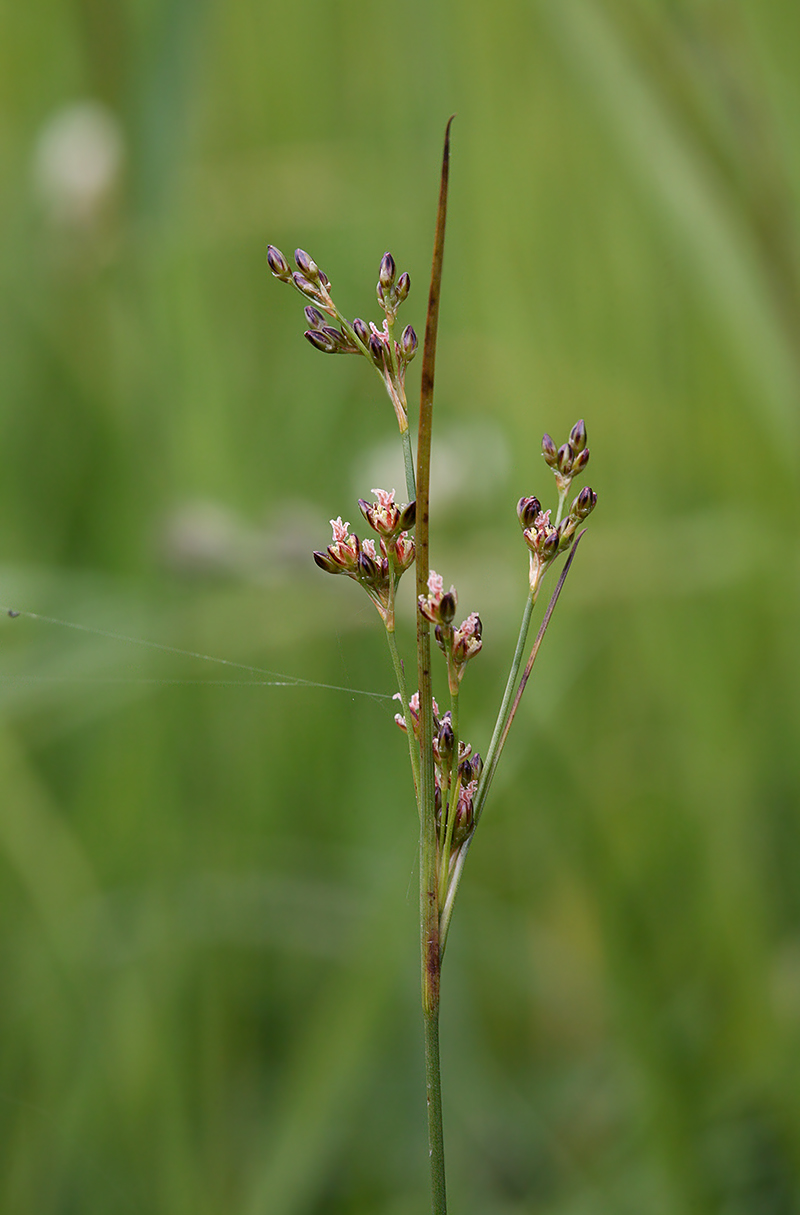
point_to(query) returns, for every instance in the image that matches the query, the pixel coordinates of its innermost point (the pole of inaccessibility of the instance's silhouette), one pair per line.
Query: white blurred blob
(77, 162)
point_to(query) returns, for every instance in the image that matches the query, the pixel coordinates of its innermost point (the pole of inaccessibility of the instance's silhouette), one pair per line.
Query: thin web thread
(274, 680)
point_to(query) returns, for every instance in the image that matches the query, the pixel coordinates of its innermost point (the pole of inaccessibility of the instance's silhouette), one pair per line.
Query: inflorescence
(378, 565)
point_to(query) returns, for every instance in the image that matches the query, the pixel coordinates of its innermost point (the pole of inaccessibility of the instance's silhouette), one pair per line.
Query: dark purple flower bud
(408, 517)
(477, 766)
(323, 278)
(446, 738)
(314, 317)
(549, 451)
(527, 510)
(376, 349)
(278, 264)
(564, 458)
(550, 545)
(306, 265)
(403, 287)
(464, 823)
(304, 285)
(367, 568)
(319, 340)
(325, 563)
(581, 460)
(408, 343)
(566, 532)
(577, 436)
(388, 272)
(584, 504)
(362, 330)
(447, 608)
(337, 339)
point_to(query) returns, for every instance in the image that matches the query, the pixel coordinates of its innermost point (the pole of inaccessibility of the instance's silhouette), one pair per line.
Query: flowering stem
(490, 763)
(504, 719)
(429, 892)
(492, 755)
(450, 800)
(408, 460)
(413, 752)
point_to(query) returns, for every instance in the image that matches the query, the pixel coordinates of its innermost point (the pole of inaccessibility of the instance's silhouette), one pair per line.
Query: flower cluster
(456, 781)
(389, 356)
(458, 644)
(570, 458)
(377, 570)
(544, 537)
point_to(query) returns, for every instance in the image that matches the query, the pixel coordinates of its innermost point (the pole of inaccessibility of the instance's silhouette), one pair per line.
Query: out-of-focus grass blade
(332, 1061)
(715, 245)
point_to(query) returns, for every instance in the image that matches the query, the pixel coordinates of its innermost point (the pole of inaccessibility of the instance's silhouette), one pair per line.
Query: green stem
(413, 752)
(490, 763)
(408, 460)
(450, 803)
(492, 755)
(428, 890)
(433, 1087)
(499, 738)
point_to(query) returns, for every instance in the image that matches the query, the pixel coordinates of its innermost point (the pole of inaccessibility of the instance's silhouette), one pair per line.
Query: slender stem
(453, 791)
(433, 1088)
(490, 762)
(496, 748)
(408, 460)
(413, 752)
(429, 893)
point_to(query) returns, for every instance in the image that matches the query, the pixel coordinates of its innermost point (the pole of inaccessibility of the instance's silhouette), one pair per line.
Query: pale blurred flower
(77, 162)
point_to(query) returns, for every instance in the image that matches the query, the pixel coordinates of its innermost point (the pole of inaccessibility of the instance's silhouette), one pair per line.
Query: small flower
(439, 606)
(464, 823)
(543, 540)
(467, 641)
(361, 562)
(413, 711)
(383, 515)
(404, 552)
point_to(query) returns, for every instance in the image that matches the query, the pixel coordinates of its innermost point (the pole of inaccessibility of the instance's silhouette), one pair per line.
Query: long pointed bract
(429, 895)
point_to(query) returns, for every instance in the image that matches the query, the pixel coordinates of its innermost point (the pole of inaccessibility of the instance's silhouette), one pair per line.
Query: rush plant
(451, 780)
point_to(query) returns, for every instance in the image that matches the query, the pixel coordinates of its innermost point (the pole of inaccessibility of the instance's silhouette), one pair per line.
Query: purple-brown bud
(577, 436)
(550, 545)
(376, 349)
(320, 341)
(527, 510)
(408, 516)
(327, 564)
(447, 607)
(584, 504)
(278, 264)
(314, 317)
(388, 272)
(306, 265)
(581, 460)
(403, 287)
(362, 331)
(305, 285)
(446, 739)
(549, 451)
(564, 458)
(408, 343)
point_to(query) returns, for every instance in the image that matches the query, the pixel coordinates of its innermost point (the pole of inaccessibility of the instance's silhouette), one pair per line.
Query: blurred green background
(208, 891)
